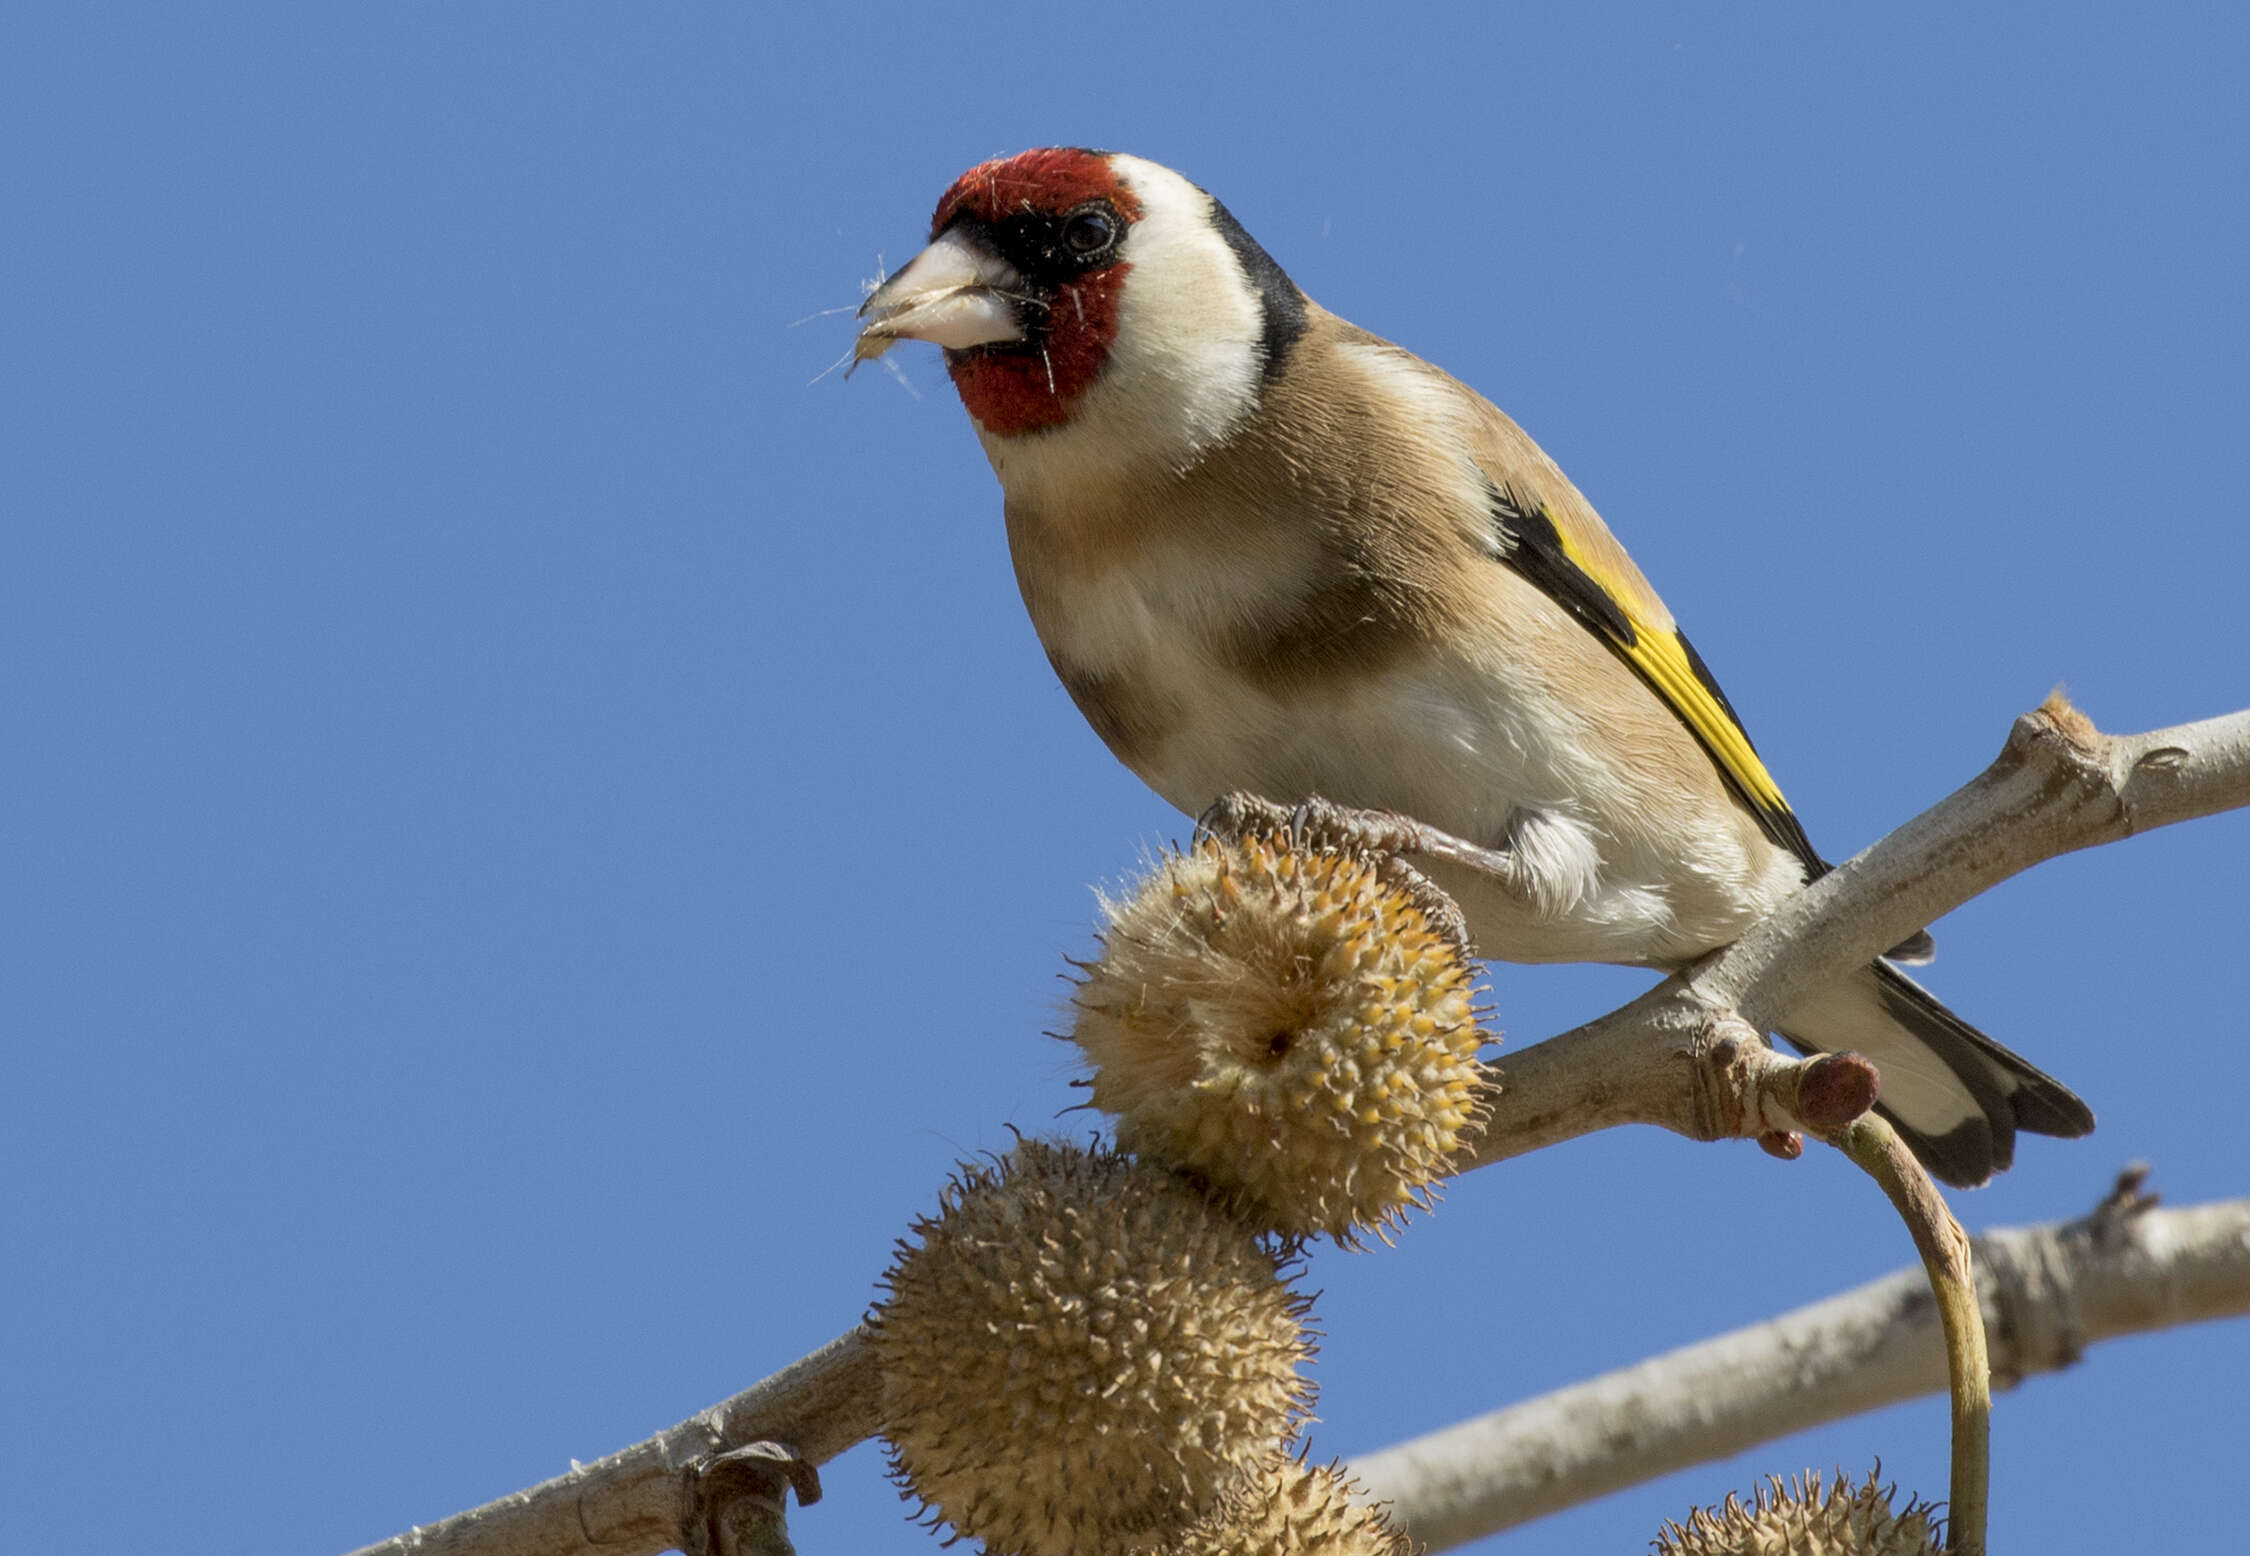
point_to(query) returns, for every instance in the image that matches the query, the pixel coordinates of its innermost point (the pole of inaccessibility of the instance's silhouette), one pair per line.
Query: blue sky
(536, 829)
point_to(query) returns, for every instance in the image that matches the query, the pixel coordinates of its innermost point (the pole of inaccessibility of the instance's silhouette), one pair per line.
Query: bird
(1271, 553)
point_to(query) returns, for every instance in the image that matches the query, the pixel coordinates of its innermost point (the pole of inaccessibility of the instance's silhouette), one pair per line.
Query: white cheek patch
(1195, 340)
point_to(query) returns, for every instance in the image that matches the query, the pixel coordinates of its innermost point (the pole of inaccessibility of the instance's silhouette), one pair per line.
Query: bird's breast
(1271, 668)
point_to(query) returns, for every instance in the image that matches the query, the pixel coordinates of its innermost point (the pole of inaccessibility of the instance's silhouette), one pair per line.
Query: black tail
(1955, 1095)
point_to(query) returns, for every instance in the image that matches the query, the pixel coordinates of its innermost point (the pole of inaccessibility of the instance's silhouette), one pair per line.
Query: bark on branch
(1687, 1055)
(2048, 1292)
(645, 1499)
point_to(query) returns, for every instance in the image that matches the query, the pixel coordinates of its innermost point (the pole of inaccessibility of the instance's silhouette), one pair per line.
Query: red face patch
(1032, 389)
(1034, 386)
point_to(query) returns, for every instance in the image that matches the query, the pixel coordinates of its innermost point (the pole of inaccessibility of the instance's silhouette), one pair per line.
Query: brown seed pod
(1800, 1518)
(1291, 1508)
(1082, 1353)
(1289, 1026)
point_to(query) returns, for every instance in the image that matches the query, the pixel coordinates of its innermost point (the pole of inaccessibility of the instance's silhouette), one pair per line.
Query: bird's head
(1085, 296)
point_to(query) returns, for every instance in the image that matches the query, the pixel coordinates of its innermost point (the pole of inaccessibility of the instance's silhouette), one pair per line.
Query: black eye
(1089, 232)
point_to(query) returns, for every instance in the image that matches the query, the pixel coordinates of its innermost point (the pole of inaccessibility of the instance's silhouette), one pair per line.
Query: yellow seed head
(1292, 1509)
(1082, 1354)
(1291, 1027)
(1800, 1518)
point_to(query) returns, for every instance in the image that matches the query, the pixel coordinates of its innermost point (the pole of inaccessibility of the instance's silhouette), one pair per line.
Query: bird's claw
(1238, 814)
(1312, 825)
(1316, 825)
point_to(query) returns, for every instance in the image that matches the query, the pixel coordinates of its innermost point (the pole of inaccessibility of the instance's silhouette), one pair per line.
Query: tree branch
(641, 1501)
(2048, 1291)
(1687, 1056)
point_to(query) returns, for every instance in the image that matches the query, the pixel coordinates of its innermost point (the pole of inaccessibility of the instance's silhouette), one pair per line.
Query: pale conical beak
(951, 294)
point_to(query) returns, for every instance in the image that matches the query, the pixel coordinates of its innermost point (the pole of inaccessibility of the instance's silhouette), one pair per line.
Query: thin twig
(2047, 1293)
(1871, 1143)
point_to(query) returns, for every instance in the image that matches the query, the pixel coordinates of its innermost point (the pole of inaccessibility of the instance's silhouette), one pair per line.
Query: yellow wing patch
(1661, 655)
(1664, 659)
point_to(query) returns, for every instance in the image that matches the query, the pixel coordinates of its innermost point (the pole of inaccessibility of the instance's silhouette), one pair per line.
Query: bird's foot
(1314, 824)
(1381, 837)
(1238, 814)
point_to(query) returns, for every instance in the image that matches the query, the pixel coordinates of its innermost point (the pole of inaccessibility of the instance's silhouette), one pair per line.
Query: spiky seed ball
(1291, 1027)
(1291, 1508)
(1082, 1353)
(1799, 1518)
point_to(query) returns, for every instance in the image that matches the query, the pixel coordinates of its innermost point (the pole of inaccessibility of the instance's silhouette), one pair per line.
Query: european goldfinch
(1268, 551)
